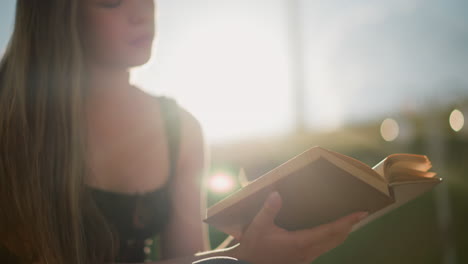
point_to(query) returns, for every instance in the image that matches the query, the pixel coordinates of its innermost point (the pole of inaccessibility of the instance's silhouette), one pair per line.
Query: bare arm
(186, 234)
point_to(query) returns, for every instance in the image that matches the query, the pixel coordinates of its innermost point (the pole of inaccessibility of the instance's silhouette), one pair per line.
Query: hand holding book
(264, 242)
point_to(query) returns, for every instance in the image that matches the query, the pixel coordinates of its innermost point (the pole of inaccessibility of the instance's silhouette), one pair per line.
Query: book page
(402, 167)
(359, 164)
(379, 168)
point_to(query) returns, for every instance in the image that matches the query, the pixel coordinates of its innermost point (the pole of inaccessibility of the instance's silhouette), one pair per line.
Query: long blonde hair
(46, 213)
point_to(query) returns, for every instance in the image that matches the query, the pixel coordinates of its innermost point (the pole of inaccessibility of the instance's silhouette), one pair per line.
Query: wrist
(236, 252)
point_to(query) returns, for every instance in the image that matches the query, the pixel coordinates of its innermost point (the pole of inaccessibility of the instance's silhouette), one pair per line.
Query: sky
(373, 58)
(230, 62)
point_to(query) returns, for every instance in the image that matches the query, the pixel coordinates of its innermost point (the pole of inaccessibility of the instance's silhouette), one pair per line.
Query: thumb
(266, 216)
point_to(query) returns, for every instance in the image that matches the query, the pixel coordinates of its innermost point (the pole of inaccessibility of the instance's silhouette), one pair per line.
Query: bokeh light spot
(389, 129)
(457, 120)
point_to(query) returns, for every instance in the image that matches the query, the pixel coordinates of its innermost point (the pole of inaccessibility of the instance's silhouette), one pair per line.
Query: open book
(319, 186)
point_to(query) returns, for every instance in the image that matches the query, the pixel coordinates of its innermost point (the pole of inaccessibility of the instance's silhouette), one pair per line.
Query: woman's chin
(130, 59)
(139, 57)
(139, 62)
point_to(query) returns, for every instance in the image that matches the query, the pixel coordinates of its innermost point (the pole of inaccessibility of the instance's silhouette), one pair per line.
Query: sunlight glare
(232, 75)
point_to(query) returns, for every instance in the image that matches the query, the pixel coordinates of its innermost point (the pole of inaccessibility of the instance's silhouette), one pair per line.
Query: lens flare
(221, 182)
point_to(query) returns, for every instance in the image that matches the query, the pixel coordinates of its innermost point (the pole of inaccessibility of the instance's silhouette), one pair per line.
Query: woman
(91, 166)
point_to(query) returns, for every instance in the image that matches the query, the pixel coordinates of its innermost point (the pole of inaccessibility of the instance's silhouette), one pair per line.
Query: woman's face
(118, 33)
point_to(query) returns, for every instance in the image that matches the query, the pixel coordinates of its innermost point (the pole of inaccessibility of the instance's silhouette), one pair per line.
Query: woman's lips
(141, 41)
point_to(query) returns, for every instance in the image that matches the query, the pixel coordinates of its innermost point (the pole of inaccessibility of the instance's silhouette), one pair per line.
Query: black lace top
(138, 218)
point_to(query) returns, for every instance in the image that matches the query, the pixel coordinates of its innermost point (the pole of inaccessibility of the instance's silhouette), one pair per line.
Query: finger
(321, 247)
(324, 246)
(266, 216)
(315, 251)
(323, 232)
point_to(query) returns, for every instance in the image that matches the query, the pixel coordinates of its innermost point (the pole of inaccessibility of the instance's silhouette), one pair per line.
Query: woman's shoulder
(174, 111)
(188, 119)
(190, 129)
